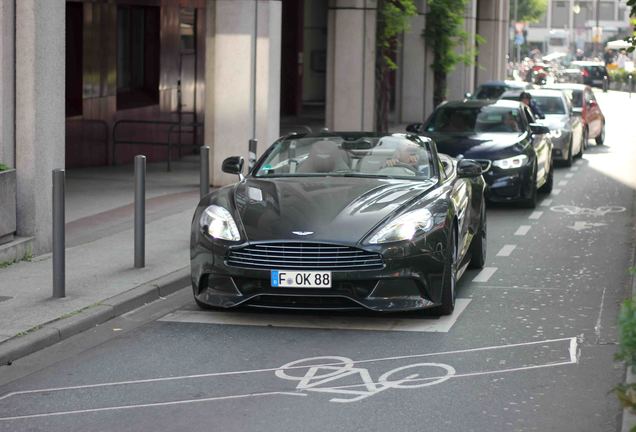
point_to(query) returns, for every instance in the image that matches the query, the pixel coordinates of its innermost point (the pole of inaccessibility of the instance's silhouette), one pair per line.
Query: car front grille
(304, 256)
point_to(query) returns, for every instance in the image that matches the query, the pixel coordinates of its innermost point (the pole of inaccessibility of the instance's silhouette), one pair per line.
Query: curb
(55, 331)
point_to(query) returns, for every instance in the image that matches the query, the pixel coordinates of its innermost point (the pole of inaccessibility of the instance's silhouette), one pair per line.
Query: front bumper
(410, 280)
(509, 185)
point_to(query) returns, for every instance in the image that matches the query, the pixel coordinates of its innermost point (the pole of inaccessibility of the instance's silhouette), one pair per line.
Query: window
(74, 44)
(606, 11)
(137, 56)
(560, 11)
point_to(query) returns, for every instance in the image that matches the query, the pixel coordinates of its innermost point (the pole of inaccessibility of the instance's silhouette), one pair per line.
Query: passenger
(526, 98)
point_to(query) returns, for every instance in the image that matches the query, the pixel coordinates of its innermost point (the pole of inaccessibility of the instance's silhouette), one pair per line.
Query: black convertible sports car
(341, 221)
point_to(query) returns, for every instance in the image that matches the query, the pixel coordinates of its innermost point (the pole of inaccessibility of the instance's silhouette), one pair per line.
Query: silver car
(566, 126)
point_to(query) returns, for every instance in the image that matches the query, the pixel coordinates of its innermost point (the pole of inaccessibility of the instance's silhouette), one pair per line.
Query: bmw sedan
(341, 221)
(516, 153)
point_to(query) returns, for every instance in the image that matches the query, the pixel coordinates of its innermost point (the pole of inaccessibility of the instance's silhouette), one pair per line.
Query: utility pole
(597, 33)
(515, 32)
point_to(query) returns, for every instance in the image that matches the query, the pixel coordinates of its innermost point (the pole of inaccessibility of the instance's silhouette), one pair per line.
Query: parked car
(341, 221)
(593, 72)
(494, 89)
(503, 135)
(566, 127)
(584, 102)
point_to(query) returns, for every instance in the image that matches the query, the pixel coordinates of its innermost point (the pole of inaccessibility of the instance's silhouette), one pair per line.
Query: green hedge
(3, 167)
(620, 76)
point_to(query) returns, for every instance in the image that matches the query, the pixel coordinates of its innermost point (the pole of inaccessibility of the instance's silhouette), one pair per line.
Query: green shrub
(626, 393)
(3, 167)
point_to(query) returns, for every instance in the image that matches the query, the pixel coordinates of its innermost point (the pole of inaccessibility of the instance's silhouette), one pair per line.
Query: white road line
(506, 250)
(485, 274)
(522, 230)
(574, 168)
(569, 175)
(556, 191)
(441, 325)
(597, 327)
(535, 215)
(563, 183)
(527, 288)
(256, 371)
(546, 203)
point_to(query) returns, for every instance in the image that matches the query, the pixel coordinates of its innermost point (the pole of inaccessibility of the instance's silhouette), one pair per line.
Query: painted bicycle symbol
(581, 211)
(323, 374)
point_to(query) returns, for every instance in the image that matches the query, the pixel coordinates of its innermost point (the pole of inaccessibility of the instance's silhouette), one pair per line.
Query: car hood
(480, 145)
(333, 209)
(554, 121)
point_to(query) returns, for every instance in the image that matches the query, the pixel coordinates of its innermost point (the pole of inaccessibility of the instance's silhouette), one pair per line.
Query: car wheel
(600, 139)
(478, 245)
(549, 183)
(581, 147)
(531, 201)
(586, 138)
(568, 161)
(449, 279)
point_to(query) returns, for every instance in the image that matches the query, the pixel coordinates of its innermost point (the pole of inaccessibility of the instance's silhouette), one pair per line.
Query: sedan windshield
(550, 104)
(476, 119)
(392, 156)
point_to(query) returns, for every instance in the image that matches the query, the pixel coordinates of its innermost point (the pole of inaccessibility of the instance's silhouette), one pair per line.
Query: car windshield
(476, 119)
(550, 104)
(577, 98)
(391, 156)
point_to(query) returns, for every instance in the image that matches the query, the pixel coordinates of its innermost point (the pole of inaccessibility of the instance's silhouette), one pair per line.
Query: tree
(393, 19)
(528, 10)
(444, 32)
(632, 13)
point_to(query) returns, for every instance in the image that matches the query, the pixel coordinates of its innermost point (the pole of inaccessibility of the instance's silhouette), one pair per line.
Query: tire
(586, 138)
(582, 147)
(449, 279)
(531, 202)
(479, 243)
(549, 183)
(600, 139)
(568, 161)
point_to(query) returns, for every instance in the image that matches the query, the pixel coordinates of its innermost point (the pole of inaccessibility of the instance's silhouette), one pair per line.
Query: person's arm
(535, 108)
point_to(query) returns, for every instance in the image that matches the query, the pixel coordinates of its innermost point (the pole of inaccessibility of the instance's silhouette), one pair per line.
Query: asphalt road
(530, 347)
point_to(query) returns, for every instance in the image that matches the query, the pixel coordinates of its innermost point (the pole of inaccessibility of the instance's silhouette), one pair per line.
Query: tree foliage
(632, 13)
(528, 10)
(445, 33)
(393, 19)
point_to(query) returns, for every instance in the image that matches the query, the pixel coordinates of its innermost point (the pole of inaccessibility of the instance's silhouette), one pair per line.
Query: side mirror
(577, 111)
(233, 165)
(538, 129)
(415, 128)
(467, 95)
(468, 168)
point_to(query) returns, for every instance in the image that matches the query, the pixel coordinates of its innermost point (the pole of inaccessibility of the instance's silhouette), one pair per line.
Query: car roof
(353, 135)
(587, 63)
(546, 92)
(507, 83)
(478, 103)
(567, 86)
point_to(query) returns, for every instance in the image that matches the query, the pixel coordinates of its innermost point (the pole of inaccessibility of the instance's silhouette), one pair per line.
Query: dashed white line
(485, 274)
(535, 215)
(563, 183)
(556, 191)
(522, 230)
(546, 203)
(569, 175)
(506, 250)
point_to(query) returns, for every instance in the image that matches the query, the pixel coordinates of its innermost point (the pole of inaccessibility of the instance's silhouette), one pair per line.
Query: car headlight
(404, 227)
(556, 133)
(219, 224)
(511, 162)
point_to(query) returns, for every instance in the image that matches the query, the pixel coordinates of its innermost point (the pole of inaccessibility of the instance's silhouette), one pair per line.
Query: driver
(407, 155)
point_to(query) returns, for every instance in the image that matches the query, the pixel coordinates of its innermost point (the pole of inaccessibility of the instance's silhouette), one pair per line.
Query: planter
(7, 205)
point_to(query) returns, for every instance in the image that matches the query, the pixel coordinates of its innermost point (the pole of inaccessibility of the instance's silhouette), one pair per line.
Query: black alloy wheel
(449, 279)
(531, 201)
(582, 146)
(478, 245)
(586, 138)
(568, 161)
(549, 183)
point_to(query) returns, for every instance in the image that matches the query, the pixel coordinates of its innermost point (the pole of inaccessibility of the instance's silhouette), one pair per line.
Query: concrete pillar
(7, 76)
(462, 79)
(242, 76)
(492, 25)
(412, 71)
(39, 120)
(351, 64)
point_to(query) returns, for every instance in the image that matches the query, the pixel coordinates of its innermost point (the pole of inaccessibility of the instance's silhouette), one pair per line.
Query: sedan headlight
(219, 224)
(511, 162)
(404, 227)
(556, 133)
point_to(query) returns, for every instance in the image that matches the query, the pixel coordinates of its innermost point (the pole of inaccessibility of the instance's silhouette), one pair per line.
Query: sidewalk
(101, 281)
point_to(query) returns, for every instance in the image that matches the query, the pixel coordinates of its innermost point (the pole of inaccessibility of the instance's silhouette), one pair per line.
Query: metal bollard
(204, 174)
(605, 84)
(59, 238)
(252, 154)
(140, 211)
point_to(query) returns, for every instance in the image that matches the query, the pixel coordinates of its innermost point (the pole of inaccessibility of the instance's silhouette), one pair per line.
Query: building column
(350, 96)
(492, 25)
(242, 76)
(412, 70)
(7, 109)
(39, 113)
(462, 79)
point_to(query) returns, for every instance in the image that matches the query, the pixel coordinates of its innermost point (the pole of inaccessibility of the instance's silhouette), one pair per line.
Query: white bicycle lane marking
(314, 376)
(573, 210)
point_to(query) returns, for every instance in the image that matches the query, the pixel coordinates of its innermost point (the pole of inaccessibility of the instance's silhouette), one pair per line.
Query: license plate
(301, 279)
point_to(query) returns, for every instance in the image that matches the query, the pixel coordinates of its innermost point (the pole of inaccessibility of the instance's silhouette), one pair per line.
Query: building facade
(95, 82)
